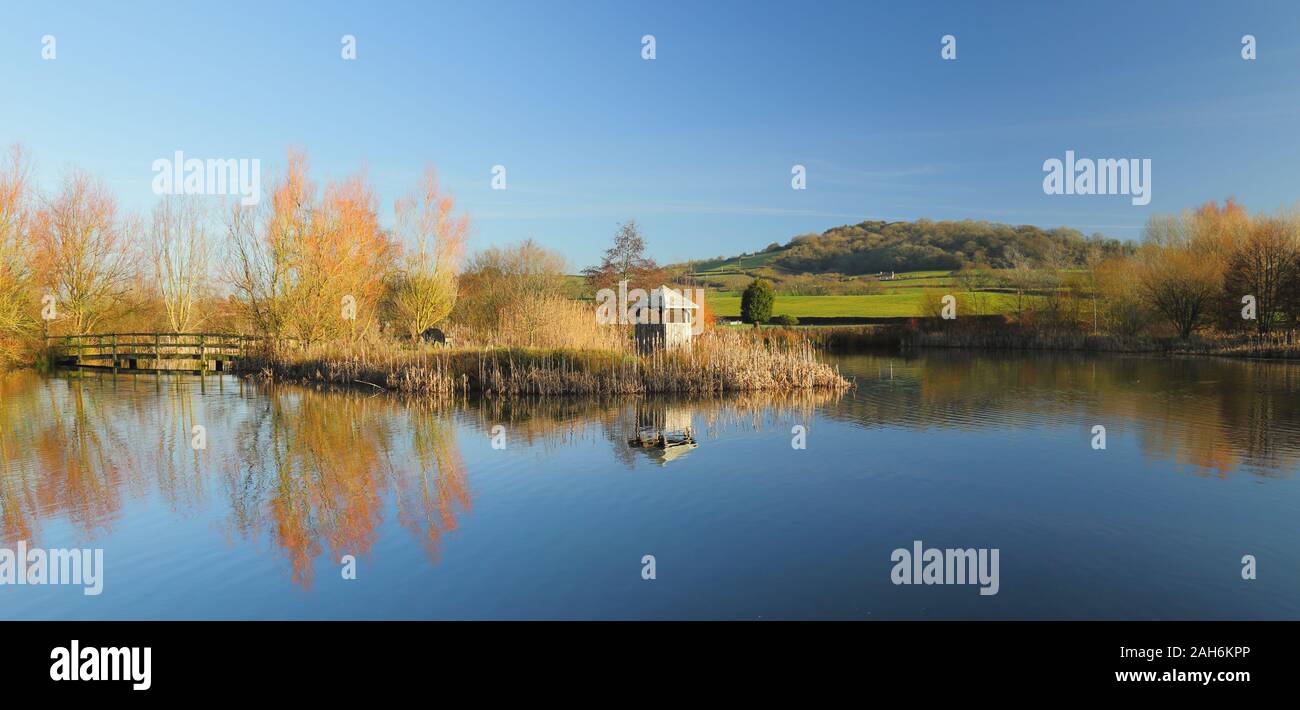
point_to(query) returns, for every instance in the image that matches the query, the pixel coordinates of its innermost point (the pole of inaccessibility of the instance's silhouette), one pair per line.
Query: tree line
(308, 264)
(1216, 268)
(304, 263)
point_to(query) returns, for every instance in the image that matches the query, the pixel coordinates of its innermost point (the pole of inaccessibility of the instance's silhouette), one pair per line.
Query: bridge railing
(152, 351)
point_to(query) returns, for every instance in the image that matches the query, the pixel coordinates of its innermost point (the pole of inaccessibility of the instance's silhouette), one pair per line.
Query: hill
(870, 247)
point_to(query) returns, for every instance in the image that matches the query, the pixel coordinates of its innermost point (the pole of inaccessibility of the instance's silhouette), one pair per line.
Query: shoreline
(1275, 346)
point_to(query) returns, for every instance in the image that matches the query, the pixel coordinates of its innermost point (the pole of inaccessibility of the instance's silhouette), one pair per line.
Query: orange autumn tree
(311, 270)
(345, 264)
(83, 254)
(1218, 230)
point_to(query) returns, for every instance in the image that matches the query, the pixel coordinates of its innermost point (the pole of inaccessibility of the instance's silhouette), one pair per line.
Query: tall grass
(844, 338)
(547, 321)
(717, 362)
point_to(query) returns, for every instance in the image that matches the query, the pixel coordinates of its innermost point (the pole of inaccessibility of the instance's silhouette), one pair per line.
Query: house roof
(669, 298)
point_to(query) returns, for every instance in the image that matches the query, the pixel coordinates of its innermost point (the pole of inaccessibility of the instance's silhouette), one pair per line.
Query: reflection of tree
(314, 470)
(311, 475)
(82, 458)
(1217, 415)
(74, 447)
(179, 469)
(18, 417)
(427, 497)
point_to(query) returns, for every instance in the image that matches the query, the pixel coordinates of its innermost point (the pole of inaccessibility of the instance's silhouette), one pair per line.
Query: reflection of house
(668, 321)
(662, 455)
(663, 433)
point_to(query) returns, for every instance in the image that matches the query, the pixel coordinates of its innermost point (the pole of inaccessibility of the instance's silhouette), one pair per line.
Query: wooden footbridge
(181, 353)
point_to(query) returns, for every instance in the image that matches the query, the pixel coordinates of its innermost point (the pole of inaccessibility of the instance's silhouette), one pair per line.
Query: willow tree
(433, 236)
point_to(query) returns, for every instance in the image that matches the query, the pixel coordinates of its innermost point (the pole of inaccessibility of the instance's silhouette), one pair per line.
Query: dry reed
(717, 362)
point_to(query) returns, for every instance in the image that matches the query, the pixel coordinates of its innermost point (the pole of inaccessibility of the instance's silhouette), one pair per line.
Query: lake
(554, 515)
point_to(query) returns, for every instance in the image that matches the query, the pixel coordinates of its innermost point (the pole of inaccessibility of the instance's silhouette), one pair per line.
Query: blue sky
(696, 145)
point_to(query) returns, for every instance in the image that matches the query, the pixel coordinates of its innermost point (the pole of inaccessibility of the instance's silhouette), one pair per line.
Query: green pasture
(901, 304)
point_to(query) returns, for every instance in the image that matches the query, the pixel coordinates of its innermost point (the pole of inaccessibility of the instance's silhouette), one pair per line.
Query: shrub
(756, 302)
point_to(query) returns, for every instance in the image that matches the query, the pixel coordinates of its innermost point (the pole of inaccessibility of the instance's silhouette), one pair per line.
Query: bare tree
(625, 261)
(15, 275)
(254, 272)
(1179, 277)
(83, 252)
(179, 252)
(1023, 278)
(1265, 265)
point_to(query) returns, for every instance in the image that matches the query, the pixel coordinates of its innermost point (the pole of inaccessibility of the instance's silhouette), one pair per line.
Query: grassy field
(901, 297)
(902, 304)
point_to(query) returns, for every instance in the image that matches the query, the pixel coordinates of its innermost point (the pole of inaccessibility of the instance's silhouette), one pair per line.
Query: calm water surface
(954, 449)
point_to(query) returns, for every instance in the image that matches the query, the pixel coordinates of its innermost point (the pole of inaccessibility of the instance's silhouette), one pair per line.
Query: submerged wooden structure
(182, 353)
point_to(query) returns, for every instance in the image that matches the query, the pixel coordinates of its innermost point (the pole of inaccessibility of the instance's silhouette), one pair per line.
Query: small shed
(667, 323)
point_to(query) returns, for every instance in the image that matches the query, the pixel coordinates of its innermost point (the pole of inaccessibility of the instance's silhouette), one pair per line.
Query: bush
(785, 320)
(756, 302)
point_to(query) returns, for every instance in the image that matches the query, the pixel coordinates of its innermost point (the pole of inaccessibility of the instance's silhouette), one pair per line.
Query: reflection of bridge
(198, 353)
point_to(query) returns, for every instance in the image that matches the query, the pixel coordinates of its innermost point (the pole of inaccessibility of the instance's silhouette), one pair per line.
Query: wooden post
(203, 358)
(114, 353)
(157, 357)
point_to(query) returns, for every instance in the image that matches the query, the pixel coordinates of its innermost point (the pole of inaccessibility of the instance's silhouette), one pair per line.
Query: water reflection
(1211, 416)
(664, 432)
(312, 475)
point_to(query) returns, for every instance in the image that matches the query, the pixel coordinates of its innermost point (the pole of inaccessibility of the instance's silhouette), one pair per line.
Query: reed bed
(1047, 341)
(716, 362)
(1278, 345)
(840, 338)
